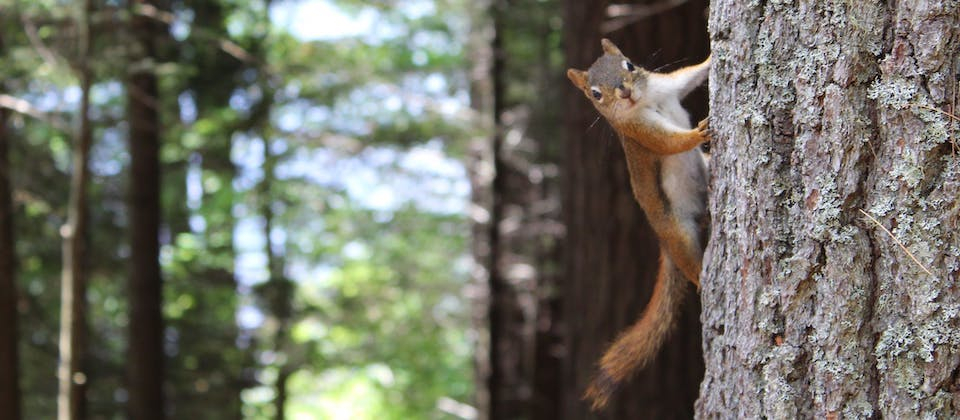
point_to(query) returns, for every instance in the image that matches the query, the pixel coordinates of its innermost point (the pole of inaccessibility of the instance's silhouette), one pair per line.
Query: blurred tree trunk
(145, 357)
(480, 168)
(72, 375)
(506, 344)
(831, 283)
(9, 341)
(514, 174)
(278, 290)
(611, 252)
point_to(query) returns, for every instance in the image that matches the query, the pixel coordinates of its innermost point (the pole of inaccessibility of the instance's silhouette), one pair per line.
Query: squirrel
(668, 177)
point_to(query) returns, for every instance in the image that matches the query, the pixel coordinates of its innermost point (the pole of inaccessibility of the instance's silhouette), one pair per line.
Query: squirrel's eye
(596, 93)
(629, 66)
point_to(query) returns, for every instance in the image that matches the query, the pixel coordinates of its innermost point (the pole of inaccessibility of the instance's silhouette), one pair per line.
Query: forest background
(322, 209)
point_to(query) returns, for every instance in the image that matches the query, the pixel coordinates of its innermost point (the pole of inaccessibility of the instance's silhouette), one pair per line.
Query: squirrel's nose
(624, 91)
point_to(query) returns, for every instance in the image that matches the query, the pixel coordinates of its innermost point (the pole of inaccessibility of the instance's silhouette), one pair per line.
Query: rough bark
(611, 252)
(835, 164)
(9, 359)
(145, 356)
(72, 378)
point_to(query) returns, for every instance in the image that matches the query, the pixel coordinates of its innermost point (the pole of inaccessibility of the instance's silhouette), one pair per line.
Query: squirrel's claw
(703, 127)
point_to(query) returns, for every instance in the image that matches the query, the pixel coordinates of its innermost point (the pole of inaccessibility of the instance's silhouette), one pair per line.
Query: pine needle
(897, 241)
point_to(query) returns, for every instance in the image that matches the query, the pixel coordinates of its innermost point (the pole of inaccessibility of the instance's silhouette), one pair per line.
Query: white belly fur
(681, 182)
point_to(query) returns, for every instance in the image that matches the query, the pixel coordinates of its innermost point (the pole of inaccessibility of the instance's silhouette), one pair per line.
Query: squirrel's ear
(578, 77)
(609, 47)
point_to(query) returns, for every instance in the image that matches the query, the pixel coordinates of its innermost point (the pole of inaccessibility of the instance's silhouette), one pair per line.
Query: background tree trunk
(611, 252)
(9, 360)
(145, 358)
(72, 375)
(833, 149)
(507, 345)
(514, 176)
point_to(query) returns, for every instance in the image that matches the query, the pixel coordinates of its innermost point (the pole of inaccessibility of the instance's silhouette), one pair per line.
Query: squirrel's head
(613, 83)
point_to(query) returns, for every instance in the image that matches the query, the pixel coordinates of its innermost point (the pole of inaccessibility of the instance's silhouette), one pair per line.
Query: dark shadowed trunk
(9, 361)
(71, 399)
(145, 357)
(611, 252)
(278, 290)
(830, 290)
(504, 372)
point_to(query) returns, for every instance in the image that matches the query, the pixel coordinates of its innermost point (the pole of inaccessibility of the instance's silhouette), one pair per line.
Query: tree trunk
(829, 288)
(611, 252)
(9, 360)
(479, 165)
(278, 290)
(504, 312)
(519, 243)
(145, 357)
(72, 377)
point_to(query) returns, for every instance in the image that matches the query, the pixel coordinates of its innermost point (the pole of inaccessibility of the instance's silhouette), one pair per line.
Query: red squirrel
(669, 180)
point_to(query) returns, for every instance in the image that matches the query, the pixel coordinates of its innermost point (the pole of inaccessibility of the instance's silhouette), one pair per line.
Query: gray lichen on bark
(824, 109)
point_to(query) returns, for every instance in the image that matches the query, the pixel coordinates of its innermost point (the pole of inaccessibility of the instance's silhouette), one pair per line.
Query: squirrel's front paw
(703, 128)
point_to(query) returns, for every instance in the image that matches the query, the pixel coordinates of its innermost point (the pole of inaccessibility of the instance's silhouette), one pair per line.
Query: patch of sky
(197, 223)
(71, 95)
(300, 116)
(247, 154)
(52, 98)
(437, 41)
(241, 100)
(383, 179)
(102, 93)
(289, 119)
(194, 181)
(249, 243)
(278, 237)
(355, 250)
(415, 9)
(194, 186)
(290, 90)
(188, 107)
(312, 276)
(109, 153)
(322, 20)
(250, 317)
(180, 27)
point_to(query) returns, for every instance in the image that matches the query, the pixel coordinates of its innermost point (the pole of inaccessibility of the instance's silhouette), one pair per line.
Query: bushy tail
(638, 345)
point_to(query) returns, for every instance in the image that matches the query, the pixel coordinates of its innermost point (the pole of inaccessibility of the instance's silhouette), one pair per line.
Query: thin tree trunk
(278, 289)
(145, 356)
(71, 399)
(505, 374)
(479, 165)
(280, 402)
(830, 287)
(9, 339)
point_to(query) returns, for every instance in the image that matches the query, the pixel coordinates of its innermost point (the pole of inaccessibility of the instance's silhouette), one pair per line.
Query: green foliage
(388, 323)
(370, 294)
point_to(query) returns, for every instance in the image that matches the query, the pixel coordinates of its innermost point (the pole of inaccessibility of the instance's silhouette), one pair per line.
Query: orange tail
(638, 345)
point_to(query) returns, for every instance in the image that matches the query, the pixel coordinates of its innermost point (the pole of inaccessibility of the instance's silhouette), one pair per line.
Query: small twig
(226, 45)
(952, 142)
(30, 29)
(897, 241)
(24, 107)
(622, 15)
(938, 110)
